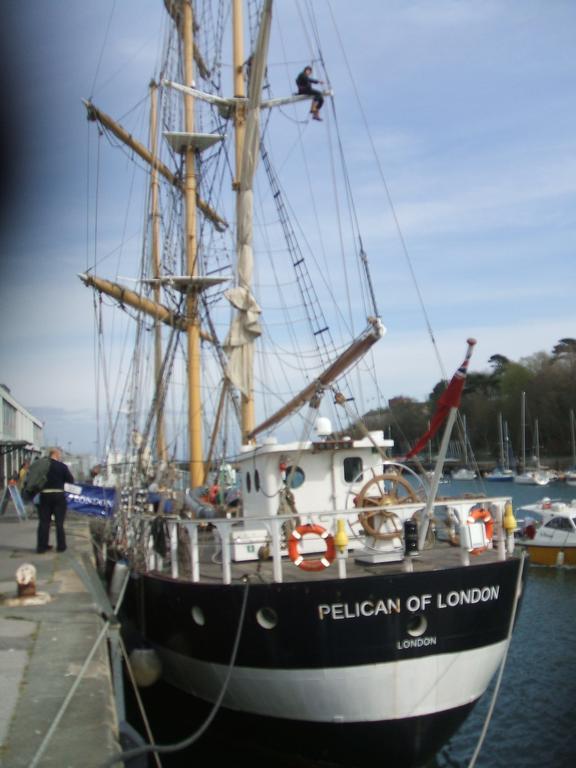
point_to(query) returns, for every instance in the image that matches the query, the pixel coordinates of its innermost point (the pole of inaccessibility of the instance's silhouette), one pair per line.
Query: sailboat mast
(155, 217)
(523, 430)
(501, 441)
(196, 465)
(507, 457)
(247, 401)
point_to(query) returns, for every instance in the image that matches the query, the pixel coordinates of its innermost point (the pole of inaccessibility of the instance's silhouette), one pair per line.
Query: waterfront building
(21, 435)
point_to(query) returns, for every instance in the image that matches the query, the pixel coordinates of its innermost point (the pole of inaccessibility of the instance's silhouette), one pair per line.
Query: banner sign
(91, 499)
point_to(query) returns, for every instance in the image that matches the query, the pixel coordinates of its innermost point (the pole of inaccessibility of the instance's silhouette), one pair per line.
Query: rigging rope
(389, 198)
(490, 712)
(102, 49)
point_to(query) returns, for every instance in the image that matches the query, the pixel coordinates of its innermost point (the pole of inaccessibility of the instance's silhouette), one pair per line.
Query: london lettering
(468, 596)
(415, 642)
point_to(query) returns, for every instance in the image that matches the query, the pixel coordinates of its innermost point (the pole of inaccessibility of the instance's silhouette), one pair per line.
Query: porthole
(295, 476)
(248, 482)
(198, 616)
(267, 618)
(417, 626)
(256, 480)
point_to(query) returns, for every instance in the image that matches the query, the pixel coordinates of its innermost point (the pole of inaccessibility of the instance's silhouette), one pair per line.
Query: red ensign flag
(450, 398)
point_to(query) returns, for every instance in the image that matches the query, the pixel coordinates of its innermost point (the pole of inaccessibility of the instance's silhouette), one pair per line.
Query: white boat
(570, 474)
(536, 475)
(549, 532)
(463, 474)
(502, 473)
(499, 474)
(533, 477)
(312, 601)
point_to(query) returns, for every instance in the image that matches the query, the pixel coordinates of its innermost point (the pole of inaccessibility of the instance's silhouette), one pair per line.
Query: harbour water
(532, 725)
(533, 722)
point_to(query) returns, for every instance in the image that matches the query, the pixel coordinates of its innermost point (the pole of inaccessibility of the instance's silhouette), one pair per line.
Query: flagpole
(438, 469)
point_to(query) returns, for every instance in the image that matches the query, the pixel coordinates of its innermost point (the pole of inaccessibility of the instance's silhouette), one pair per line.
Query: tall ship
(277, 558)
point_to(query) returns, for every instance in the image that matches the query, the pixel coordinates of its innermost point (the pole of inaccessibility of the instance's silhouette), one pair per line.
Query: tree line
(493, 397)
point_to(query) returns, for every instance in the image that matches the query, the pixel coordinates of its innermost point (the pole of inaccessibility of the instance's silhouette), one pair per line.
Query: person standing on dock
(53, 502)
(22, 472)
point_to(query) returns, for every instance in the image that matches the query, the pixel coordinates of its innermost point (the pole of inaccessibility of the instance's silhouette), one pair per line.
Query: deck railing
(239, 539)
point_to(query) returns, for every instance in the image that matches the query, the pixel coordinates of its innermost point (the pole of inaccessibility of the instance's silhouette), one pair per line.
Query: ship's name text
(412, 604)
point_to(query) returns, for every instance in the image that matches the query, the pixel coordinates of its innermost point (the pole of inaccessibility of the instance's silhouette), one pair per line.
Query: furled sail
(245, 326)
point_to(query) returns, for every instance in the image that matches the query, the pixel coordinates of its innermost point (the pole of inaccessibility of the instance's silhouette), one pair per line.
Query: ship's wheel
(384, 490)
(379, 492)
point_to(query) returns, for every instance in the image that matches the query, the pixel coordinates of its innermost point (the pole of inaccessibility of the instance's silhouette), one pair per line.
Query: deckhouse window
(248, 482)
(353, 469)
(256, 480)
(559, 524)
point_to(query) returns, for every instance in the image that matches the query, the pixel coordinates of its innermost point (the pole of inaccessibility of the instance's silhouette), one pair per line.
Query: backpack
(36, 477)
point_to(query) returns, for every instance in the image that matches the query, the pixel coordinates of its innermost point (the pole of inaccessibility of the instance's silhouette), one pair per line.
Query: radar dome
(323, 426)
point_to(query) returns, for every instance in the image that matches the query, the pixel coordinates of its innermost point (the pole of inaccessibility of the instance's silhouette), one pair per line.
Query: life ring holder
(311, 564)
(482, 515)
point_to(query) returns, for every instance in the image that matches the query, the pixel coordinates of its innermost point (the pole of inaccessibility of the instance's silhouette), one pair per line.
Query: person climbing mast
(304, 82)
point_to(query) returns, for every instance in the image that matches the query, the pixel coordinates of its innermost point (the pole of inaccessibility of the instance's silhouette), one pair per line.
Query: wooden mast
(196, 464)
(247, 400)
(155, 217)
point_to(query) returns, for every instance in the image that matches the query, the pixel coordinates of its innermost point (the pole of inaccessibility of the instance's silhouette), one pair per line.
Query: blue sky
(470, 106)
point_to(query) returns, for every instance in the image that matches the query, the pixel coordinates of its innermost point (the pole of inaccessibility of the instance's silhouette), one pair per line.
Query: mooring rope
(490, 712)
(187, 742)
(46, 740)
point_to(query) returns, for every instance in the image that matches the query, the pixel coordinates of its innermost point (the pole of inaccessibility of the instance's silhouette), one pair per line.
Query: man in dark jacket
(304, 82)
(53, 502)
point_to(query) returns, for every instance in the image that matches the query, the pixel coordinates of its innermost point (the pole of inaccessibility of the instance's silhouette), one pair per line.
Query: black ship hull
(339, 668)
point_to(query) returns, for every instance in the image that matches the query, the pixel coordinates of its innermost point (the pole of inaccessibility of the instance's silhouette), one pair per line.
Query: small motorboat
(549, 533)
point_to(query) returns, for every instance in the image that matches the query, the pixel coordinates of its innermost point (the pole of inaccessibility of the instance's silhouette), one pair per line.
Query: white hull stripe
(371, 693)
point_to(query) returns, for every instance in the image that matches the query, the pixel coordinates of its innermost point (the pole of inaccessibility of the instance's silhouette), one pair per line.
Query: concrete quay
(45, 642)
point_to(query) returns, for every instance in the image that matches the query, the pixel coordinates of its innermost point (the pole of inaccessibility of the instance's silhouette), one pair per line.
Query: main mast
(196, 465)
(247, 408)
(155, 216)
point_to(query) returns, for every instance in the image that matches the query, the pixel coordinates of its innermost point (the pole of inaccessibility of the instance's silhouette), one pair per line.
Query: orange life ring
(482, 515)
(311, 564)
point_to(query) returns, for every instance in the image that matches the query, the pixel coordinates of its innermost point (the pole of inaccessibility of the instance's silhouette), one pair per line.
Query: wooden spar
(175, 11)
(239, 87)
(355, 351)
(97, 115)
(134, 300)
(196, 463)
(156, 288)
(141, 303)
